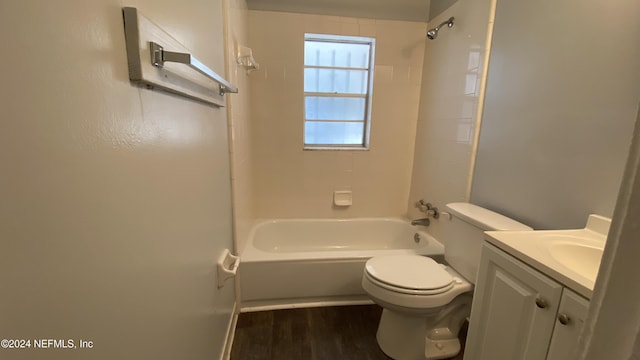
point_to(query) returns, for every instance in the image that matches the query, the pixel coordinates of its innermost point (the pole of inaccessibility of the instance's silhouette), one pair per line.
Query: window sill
(337, 148)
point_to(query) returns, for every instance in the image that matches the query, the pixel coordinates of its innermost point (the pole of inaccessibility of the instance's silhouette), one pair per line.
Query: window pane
(332, 81)
(322, 53)
(334, 108)
(333, 133)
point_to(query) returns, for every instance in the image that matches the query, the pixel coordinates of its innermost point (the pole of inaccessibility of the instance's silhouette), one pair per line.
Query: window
(338, 81)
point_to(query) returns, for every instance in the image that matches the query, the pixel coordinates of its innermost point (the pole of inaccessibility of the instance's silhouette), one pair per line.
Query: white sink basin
(581, 258)
(571, 257)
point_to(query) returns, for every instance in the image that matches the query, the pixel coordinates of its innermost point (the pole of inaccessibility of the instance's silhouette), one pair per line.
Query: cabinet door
(571, 314)
(513, 311)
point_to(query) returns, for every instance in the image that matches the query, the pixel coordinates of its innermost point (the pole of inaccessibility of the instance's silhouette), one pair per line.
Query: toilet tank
(465, 235)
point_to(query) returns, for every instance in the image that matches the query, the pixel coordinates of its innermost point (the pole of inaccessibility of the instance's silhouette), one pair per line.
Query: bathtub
(319, 262)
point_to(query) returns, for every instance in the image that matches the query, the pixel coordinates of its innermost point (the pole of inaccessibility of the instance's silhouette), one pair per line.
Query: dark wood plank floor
(324, 333)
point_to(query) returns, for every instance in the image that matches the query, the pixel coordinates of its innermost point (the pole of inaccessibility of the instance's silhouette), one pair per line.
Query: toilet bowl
(415, 292)
(426, 303)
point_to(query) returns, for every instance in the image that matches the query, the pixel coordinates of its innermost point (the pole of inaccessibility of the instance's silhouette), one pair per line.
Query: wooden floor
(324, 333)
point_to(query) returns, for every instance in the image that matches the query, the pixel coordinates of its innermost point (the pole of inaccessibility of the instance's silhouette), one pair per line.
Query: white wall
(437, 7)
(452, 88)
(239, 123)
(115, 200)
(612, 328)
(562, 94)
(292, 183)
(411, 10)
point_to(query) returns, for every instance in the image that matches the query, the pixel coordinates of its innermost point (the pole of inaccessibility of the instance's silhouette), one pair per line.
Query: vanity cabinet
(571, 315)
(520, 313)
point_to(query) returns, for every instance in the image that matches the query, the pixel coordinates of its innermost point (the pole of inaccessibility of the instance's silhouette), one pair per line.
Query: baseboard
(266, 305)
(231, 331)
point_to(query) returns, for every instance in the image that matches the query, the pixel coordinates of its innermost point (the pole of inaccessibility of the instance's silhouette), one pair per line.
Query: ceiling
(408, 10)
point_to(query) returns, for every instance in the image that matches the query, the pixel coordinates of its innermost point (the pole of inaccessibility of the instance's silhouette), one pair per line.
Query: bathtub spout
(422, 222)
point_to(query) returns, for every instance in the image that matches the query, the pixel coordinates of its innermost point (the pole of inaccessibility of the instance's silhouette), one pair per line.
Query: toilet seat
(409, 274)
(405, 290)
(405, 299)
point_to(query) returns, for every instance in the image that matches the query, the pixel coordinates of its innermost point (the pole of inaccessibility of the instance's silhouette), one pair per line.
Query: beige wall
(239, 123)
(452, 85)
(292, 183)
(562, 95)
(114, 200)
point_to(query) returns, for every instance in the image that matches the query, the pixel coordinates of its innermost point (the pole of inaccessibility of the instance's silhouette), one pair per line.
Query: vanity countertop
(571, 257)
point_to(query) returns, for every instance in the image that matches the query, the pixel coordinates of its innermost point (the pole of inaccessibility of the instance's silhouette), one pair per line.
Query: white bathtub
(319, 262)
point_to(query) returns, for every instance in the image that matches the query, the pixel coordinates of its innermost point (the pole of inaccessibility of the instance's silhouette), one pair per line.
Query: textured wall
(115, 200)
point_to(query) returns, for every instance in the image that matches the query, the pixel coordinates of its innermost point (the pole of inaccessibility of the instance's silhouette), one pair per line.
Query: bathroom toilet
(426, 303)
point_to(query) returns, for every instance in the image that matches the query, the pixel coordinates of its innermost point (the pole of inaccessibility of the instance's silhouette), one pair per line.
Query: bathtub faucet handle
(422, 205)
(433, 212)
(427, 208)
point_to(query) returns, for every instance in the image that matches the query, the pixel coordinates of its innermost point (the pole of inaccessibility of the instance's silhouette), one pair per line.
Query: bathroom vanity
(533, 290)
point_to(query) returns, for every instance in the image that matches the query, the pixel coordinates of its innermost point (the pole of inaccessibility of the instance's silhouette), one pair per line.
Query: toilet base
(441, 349)
(402, 337)
(432, 336)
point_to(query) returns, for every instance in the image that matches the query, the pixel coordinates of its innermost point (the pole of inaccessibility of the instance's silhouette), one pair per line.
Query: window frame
(368, 96)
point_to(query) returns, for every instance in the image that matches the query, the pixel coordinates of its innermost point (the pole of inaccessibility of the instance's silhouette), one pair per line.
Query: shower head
(433, 33)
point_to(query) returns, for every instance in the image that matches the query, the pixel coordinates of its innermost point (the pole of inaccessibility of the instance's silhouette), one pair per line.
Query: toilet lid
(409, 272)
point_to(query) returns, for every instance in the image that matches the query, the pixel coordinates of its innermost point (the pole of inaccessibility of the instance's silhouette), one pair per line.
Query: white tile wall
(454, 68)
(239, 117)
(290, 182)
